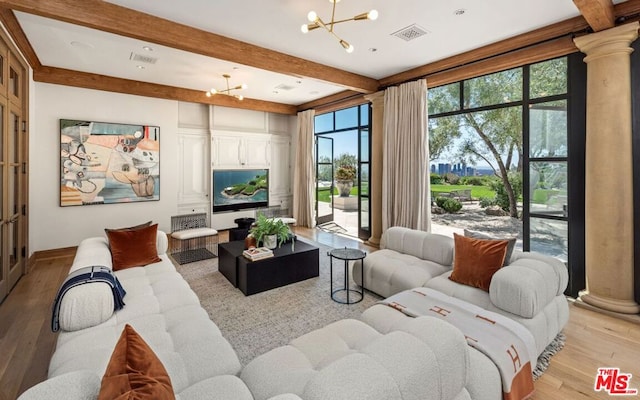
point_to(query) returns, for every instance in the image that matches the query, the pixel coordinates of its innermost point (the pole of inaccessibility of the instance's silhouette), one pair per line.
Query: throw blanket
(508, 344)
(83, 276)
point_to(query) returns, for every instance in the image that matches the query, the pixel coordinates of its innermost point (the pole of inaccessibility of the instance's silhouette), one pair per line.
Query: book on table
(257, 253)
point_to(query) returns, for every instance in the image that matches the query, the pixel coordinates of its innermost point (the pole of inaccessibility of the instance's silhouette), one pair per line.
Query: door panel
(324, 180)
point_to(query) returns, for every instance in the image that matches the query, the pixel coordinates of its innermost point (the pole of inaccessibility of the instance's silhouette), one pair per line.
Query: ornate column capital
(611, 41)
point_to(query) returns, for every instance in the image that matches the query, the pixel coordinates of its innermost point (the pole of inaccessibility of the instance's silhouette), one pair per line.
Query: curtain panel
(304, 171)
(406, 199)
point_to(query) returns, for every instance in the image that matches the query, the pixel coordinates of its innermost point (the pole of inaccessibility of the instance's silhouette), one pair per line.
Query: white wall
(52, 226)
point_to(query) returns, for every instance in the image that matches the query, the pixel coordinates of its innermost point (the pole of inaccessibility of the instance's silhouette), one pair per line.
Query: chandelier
(228, 90)
(317, 22)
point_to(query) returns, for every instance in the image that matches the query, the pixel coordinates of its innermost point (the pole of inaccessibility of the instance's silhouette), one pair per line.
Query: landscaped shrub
(449, 205)
(502, 199)
(486, 202)
(451, 178)
(473, 180)
(435, 179)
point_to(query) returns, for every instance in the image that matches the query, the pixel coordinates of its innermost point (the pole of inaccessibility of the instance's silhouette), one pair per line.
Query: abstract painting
(106, 163)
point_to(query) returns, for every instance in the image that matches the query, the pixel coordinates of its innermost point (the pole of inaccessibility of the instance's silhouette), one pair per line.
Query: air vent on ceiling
(284, 86)
(142, 58)
(410, 32)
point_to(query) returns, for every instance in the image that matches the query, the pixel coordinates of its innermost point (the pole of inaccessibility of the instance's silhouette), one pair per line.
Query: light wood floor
(26, 342)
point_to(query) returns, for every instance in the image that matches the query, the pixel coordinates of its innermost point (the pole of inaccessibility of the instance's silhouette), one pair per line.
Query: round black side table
(347, 255)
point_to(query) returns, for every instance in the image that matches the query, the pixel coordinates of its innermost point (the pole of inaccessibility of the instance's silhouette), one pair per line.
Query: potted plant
(345, 174)
(270, 232)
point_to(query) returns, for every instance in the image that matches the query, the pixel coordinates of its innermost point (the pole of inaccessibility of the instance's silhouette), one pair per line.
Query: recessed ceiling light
(298, 82)
(459, 11)
(373, 49)
(276, 92)
(140, 66)
(236, 68)
(147, 48)
(314, 92)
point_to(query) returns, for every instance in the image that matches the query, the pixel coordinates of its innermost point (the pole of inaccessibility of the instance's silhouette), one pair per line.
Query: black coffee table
(285, 267)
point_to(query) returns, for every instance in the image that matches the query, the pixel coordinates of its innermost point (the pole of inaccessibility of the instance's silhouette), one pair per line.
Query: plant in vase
(345, 175)
(269, 231)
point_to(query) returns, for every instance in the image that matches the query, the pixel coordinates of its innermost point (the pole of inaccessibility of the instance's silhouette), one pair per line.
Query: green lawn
(477, 192)
(323, 195)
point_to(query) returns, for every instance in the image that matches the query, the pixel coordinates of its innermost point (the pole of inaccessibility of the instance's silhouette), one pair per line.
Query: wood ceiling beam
(532, 54)
(598, 13)
(328, 100)
(9, 21)
(97, 14)
(87, 80)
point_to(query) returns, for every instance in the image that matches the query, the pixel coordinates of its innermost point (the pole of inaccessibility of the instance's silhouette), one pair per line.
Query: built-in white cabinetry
(193, 171)
(280, 169)
(240, 150)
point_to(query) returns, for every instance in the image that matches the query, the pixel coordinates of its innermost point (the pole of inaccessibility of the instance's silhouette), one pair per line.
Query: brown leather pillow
(476, 260)
(134, 371)
(133, 248)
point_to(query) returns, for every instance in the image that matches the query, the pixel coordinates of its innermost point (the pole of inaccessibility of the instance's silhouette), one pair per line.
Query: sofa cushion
(510, 247)
(133, 248)
(523, 288)
(387, 272)
(134, 371)
(423, 245)
(425, 358)
(476, 260)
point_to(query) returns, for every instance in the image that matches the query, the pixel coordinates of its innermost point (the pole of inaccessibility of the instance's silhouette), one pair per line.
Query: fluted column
(608, 178)
(375, 178)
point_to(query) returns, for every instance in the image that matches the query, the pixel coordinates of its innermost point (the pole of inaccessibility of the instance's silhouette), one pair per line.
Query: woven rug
(258, 323)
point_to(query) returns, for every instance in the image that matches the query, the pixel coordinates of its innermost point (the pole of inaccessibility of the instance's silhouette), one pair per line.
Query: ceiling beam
(9, 21)
(87, 80)
(598, 13)
(97, 14)
(328, 100)
(532, 54)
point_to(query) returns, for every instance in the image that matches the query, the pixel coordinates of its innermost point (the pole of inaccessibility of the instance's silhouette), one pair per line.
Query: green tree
(345, 159)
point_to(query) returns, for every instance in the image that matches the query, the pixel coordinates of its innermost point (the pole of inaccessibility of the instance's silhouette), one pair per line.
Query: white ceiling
(275, 24)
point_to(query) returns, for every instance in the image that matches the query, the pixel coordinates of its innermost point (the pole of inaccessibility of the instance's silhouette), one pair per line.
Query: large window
(511, 131)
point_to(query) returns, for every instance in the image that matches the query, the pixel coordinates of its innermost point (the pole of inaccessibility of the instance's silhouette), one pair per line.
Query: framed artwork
(105, 163)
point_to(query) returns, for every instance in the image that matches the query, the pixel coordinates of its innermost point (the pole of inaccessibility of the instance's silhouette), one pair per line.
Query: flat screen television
(238, 189)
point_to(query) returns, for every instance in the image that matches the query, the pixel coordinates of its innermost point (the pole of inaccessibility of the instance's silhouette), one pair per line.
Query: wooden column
(375, 193)
(608, 175)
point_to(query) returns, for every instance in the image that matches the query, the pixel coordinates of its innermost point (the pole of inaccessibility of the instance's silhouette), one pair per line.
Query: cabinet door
(257, 151)
(226, 152)
(193, 171)
(280, 180)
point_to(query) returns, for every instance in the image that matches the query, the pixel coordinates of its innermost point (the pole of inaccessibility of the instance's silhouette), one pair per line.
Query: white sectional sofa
(421, 358)
(528, 290)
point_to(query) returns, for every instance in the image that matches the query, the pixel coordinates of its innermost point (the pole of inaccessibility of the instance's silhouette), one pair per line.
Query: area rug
(258, 323)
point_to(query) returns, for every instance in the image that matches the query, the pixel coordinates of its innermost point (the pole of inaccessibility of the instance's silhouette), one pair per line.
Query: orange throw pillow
(129, 228)
(133, 248)
(476, 260)
(134, 371)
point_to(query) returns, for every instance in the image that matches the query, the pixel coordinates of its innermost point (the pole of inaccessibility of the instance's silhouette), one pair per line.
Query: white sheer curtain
(304, 172)
(406, 199)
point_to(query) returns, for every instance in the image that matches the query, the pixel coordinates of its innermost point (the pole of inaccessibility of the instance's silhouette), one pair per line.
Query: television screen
(240, 189)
